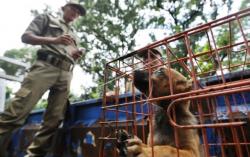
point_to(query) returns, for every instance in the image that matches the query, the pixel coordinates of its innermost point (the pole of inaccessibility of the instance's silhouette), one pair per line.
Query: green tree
(109, 28)
(231, 59)
(26, 55)
(108, 32)
(245, 4)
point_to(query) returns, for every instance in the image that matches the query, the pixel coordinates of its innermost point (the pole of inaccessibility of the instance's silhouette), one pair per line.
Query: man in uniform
(51, 71)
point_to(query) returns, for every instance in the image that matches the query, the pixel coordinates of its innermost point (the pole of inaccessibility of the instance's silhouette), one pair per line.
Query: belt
(55, 61)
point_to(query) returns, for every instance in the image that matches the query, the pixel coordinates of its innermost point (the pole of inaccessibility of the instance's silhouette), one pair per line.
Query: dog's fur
(163, 133)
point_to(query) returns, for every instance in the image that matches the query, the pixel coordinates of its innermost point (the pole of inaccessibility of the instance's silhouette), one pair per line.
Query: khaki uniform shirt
(49, 26)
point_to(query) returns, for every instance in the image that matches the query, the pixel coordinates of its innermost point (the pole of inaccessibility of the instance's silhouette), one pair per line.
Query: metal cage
(216, 57)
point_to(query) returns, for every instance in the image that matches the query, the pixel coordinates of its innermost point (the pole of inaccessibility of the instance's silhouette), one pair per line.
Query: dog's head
(161, 82)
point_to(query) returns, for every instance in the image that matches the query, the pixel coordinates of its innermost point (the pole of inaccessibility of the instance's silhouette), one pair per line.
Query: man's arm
(34, 35)
(31, 38)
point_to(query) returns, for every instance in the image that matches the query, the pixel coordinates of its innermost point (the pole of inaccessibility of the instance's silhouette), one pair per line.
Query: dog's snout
(141, 80)
(141, 75)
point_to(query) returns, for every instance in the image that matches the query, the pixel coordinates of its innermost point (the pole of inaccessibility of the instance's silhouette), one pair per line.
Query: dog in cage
(162, 135)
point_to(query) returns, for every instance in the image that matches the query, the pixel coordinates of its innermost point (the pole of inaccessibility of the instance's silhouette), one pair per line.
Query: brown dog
(163, 133)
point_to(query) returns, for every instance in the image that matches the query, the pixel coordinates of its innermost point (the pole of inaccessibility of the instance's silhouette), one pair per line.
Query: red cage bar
(215, 56)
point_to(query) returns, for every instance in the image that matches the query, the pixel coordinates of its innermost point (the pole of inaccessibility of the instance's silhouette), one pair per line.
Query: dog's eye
(160, 72)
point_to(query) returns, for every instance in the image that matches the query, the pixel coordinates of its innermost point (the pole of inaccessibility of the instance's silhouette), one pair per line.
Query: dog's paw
(135, 147)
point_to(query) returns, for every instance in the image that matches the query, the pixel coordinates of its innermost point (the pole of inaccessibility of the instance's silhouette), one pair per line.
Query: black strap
(55, 61)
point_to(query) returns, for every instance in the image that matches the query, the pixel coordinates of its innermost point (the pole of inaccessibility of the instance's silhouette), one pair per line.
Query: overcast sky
(15, 17)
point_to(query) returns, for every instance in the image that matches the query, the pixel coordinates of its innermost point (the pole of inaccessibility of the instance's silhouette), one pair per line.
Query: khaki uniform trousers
(41, 77)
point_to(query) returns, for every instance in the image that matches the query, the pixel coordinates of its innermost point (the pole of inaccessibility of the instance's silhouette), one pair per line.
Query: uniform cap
(77, 5)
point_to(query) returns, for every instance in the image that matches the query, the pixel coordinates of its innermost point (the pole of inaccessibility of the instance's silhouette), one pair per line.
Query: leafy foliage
(109, 28)
(26, 55)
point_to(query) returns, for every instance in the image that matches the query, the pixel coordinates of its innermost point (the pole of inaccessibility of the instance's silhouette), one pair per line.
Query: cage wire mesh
(216, 57)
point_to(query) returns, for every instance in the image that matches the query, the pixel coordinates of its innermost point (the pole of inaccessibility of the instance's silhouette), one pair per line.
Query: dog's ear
(183, 85)
(189, 85)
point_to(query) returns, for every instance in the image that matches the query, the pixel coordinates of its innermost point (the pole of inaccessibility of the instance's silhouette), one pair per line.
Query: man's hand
(77, 53)
(64, 39)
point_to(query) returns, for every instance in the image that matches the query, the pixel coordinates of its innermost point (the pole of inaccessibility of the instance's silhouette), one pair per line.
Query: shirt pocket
(23, 92)
(54, 30)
